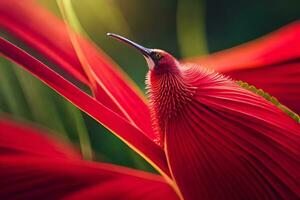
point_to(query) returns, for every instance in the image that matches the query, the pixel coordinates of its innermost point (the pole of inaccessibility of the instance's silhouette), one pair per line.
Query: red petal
(112, 87)
(271, 63)
(122, 128)
(282, 80)
(24, 175)
(230, 143)
(17, 139)
(43, 32)
(277, 47)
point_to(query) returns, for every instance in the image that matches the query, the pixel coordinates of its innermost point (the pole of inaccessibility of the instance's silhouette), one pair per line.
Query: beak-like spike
(145, 51)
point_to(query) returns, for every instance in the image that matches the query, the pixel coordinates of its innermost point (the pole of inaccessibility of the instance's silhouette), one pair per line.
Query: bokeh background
(184, 28)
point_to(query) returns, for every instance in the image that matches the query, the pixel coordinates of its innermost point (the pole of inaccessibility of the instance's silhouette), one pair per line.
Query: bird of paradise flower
(232, 141)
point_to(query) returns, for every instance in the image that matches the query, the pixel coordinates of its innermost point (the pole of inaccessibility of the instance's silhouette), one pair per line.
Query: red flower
(35, 167)
(223, 140)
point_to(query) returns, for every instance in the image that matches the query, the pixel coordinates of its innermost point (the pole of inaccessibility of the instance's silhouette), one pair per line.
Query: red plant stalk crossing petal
(121, 127)
(110, 85)
(26, 174)
(271, 63)
(225, 142)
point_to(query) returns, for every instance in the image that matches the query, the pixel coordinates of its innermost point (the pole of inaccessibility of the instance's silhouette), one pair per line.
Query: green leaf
(40, 101)
(11, 93)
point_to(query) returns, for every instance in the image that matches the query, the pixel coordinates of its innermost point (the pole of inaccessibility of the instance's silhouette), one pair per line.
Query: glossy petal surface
(20, 140)
(25, 174)
(229, 143)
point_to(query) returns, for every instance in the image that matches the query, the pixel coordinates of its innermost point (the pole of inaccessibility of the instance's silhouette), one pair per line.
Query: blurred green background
(183, 27)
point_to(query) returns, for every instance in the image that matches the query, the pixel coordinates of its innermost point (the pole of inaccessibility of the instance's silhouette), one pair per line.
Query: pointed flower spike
(117, 125)
(147, 53)
(24, 171)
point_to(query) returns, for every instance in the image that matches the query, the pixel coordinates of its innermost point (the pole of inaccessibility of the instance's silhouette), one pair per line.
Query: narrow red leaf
(271, 63)
(119, 126)
(110, 85)
(36, 169)
(229, 143)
